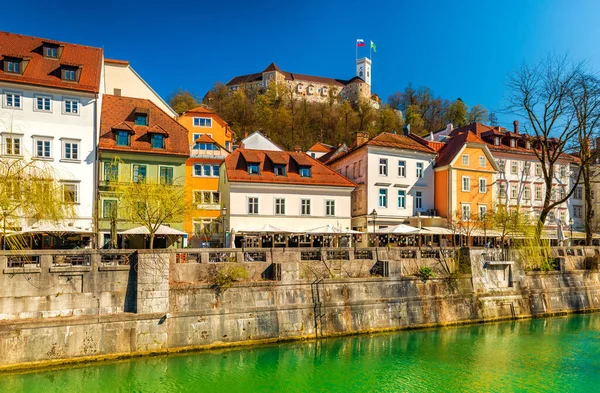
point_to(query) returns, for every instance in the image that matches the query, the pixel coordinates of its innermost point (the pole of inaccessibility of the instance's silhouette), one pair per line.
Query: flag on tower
(360, 42)
(373, 47)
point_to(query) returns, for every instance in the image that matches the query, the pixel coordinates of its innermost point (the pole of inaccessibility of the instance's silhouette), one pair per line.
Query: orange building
(464, 175)
(210, 140)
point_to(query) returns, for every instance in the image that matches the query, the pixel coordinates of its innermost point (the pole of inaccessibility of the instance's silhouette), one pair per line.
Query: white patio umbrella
(162, 230)
(401, 229)
(267, 228)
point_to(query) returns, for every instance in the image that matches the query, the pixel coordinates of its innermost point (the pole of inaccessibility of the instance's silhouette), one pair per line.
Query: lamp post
(224, 222)
(571, 230)
(374, 215)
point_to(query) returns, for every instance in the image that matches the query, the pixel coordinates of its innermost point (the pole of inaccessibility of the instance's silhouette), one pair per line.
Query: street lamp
(374, 215)
(571, 229)
(224, 222)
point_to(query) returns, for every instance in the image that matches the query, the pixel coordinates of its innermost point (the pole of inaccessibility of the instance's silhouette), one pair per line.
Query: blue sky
(459, 49)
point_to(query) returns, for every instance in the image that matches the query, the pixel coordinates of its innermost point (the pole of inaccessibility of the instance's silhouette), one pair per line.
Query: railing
(363, 254)
(338, 255)
(117, 259)
(222, 257)
(71, 260)
(310, 255)
(22, 261)
(406, 254)
(188, 257)
(255, 256)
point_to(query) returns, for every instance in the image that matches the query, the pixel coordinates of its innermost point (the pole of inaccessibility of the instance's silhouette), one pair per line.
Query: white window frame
(515, 194)
(401, 168)
(248, 205)
(40, 138)
(465, 187)
(383, 167)
(35, 101)
(308, 204)
(465, 217)
(330, 207)
(104, 211)
(72, 183)
(465, 159)
(133, 164)
(538, 190)
(167, 166)
(480, 210)
(72, 101)
(482, 181)
(13, 94)
(12, 137)
(385, 195)
(200, 118)
(538, 169)
(418, 200)
(514, 165)
(577, 211)
(402, 197)
(66, 141)
(275, 206)
(482, 161)
(526, 193)
(419, 170)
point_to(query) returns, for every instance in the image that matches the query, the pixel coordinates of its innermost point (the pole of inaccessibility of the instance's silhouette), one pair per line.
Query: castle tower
(363, 69)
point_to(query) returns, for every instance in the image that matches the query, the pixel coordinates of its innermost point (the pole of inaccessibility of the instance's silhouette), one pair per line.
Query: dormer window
(141, 119)
(497, 141)
(253, 168)
(305, 171)
(279, 170)
(158, 141)
(13, 66)
(70, 74)
(528, 145)
(51, 52)
(122, 138)
(310, 89)
(513, 143)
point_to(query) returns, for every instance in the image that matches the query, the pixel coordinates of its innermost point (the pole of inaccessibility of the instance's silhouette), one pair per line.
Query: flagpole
(370, 46)
(356, 45)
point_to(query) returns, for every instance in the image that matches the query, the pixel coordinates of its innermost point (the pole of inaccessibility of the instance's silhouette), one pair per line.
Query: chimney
(246, 134)
(297, 149)
(406, 130)
(361, 137)
(516, 127)
(449, 128)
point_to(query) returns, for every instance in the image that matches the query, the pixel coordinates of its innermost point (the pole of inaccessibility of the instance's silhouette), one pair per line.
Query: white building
(258, 141)
(287, 190)
(50, 103)
(120, 79)
(395, 178)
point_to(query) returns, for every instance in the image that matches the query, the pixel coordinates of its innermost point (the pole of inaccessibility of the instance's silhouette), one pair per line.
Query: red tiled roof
(42, 71)
(321, 148)
(272, 67)
(205, 139)
(236, 167)
(114, 61)
(202, 110)
(398, 141)
(251, 156)
(454, 145)
(119, 113)
(277, 157)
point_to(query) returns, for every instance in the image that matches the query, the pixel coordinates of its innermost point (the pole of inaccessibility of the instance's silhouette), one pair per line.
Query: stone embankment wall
(72, 306)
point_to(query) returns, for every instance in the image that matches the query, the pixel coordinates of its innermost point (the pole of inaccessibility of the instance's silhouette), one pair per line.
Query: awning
(437, 231)
(267, 228)
(61, 229)
(162, 230)
(329, 229)
(401, 229)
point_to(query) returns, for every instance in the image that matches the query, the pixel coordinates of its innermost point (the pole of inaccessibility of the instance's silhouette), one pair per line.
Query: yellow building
(464, 176)
(210, 140)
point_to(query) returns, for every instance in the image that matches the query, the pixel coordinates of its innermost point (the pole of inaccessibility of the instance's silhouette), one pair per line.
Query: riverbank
(176, 310)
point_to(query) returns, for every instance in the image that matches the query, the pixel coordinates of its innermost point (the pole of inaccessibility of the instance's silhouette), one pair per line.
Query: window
(111, 171)
(13, 66)
(109, 208)
(139, 173)
(158, 141)
(166, 174)
(70, 192)
(12, 100)
(401, 199)
(550, 218)
(538, 169)
(359, 168)
(70, 150)
(122, 138)
(383, 194)
(228, 146)
(466, 183)
(482, 161)
(279, 170)
(497, 141)
(563, 171)
(42, 103)
(304, 171)
(313, 155)
(527, 193)
(418, 200)
(206, 169)
(305, 207)
(43, 148)
(527, 169)
(465, 211)
(401, 168)
(502, 165)
(141, 119)
(419, 169)
(562, 215)
(71, 107)
(330, 208)
(253, 205)
(12, 145)
(514, 192)
(253, 169)
(50, 52)
(578, 193)
(513, 143)
(215, 170)
(383, 166)
(355, 170)
(280, 206)
(465, 159)
(577, 211)
(203, 122)
(69, 74)
(514, 167)
(482, 185)
(538, 193)
(206, 197)
(502, 190)
(482, 211)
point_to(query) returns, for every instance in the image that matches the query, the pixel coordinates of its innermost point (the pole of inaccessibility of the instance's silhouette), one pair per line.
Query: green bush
(426, 272)
(225, 275)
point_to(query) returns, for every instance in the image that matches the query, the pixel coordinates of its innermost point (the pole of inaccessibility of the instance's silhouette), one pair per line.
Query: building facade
(394, 176)
(210, 142)
(138, 141)
(287, 190)
(50, 99)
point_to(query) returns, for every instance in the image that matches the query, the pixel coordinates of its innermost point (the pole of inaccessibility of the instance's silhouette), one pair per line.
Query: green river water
(560, 354)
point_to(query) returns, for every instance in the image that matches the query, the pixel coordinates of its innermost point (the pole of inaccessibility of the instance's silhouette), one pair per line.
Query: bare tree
(541, 95)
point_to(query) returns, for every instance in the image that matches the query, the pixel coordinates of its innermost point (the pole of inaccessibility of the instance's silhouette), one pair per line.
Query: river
(559, 354)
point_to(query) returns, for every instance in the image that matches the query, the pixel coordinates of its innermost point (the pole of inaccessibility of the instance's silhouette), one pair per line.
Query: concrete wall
(167, 302)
